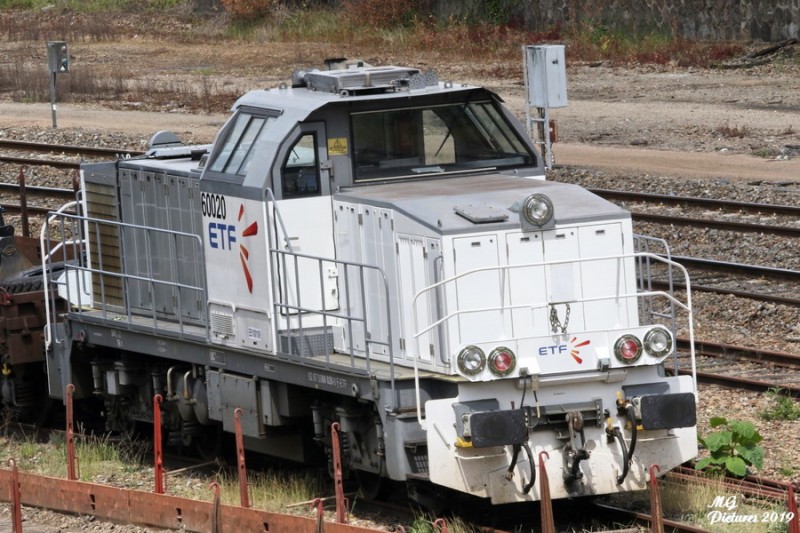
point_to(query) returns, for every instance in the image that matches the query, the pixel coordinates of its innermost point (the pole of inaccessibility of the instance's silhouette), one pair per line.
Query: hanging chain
(555, 323)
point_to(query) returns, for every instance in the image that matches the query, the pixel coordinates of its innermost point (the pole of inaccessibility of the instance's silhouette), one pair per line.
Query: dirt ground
(741, 123)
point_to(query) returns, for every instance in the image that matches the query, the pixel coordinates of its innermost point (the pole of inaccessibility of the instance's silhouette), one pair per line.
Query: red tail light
(628, 349)
(502, 361)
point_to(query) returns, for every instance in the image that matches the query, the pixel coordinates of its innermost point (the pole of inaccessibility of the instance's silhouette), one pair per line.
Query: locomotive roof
(304, 100)
(433, 202)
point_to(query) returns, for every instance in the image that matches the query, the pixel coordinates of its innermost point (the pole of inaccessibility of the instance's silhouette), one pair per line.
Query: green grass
(693, 502)
(781, 406)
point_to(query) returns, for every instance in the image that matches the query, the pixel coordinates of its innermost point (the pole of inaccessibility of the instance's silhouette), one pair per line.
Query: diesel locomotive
(378, 248)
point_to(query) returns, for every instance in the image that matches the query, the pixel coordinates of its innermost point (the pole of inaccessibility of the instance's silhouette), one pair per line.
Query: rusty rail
(155, 510)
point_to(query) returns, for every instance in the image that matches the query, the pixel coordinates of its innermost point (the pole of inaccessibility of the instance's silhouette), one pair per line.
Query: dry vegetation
(375, 30)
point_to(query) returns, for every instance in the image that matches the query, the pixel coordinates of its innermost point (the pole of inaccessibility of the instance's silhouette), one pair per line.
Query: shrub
(733, 448)
(249, 9)
(387, 13)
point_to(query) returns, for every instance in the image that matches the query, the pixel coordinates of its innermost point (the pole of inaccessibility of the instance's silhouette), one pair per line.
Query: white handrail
(45, 260)
(503, 268)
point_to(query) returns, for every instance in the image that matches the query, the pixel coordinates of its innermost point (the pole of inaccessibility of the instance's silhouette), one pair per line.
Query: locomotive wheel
(372, 486)
(208, 445)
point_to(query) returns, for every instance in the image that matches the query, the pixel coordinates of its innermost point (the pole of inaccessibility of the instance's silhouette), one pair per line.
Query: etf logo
(573, 347)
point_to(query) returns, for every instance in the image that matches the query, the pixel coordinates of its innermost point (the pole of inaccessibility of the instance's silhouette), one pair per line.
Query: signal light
(471, 360)
(57, 57)
(63, 58)
(658, 342)
(502, 361)
(628, 349)
(537, 209)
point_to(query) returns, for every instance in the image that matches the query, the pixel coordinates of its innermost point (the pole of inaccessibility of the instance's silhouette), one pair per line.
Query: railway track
(8, 145)
(731, 206)
(741, 367)
(760, 501)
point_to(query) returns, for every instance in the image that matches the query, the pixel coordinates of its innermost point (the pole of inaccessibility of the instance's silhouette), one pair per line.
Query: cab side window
(300, 172)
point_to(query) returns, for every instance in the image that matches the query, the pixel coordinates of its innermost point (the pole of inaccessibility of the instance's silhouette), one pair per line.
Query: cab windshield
(434, 140)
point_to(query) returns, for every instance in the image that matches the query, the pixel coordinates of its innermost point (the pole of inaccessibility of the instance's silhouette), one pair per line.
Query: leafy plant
(733, 448)
(781, 407)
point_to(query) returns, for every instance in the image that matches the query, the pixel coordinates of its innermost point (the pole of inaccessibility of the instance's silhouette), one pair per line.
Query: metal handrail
(281, 257)
(81, 221)
(502, 308)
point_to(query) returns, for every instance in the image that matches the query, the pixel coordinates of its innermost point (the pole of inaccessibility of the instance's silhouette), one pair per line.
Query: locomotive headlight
(471, 360)
(628, 349)
(537, 209)
(658, 342)
(502, 361)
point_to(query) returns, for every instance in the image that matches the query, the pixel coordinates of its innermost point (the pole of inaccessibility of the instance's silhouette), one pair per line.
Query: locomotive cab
(376, 248)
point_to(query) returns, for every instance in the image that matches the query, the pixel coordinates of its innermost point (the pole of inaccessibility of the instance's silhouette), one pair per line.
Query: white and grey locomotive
(374, 247)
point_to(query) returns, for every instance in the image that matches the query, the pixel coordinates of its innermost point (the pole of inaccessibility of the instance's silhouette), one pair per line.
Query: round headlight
(537, 209)
(471, 360)
(502, 361)
(658, 342)
(628, 349)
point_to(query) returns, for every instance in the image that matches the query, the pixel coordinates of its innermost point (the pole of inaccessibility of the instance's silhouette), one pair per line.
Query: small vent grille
(313, 341)
(417, 456)
(221, 324)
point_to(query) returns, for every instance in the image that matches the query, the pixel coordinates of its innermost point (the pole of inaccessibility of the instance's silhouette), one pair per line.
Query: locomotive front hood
(483, 202)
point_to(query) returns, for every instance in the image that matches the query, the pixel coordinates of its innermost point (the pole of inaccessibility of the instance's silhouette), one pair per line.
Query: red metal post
(72, 473)
(440, 525)
(317, 503)
(341, 506)
(244, 497)
(545, 500)
(216, 512)
(656, 511)
(16, 505)
(158, 452)
(794, 522)
(23, 204)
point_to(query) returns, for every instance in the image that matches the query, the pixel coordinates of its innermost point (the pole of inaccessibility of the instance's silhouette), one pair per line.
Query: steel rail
(31, 161)
(783, 231)
(789, 361)
(774, 298)
(35, 210)
(740, 268)
(673, 525)
(716, 349)
(55, 192)
(741, 382)
(752, 486)
(699, 202)
(66, 148)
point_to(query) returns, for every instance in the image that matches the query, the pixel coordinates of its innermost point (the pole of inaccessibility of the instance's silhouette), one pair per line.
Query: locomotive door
(304, 284)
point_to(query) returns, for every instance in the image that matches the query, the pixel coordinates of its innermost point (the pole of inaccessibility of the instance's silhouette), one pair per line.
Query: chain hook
(555, 323)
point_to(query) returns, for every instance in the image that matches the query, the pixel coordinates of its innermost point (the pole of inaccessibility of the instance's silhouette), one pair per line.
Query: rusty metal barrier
(156, 510)
(794, 522)
(656, 511)
(158, 451)
(341, 502)
(16, 506)
(545, 500)
(72, 472)
(244, 496)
